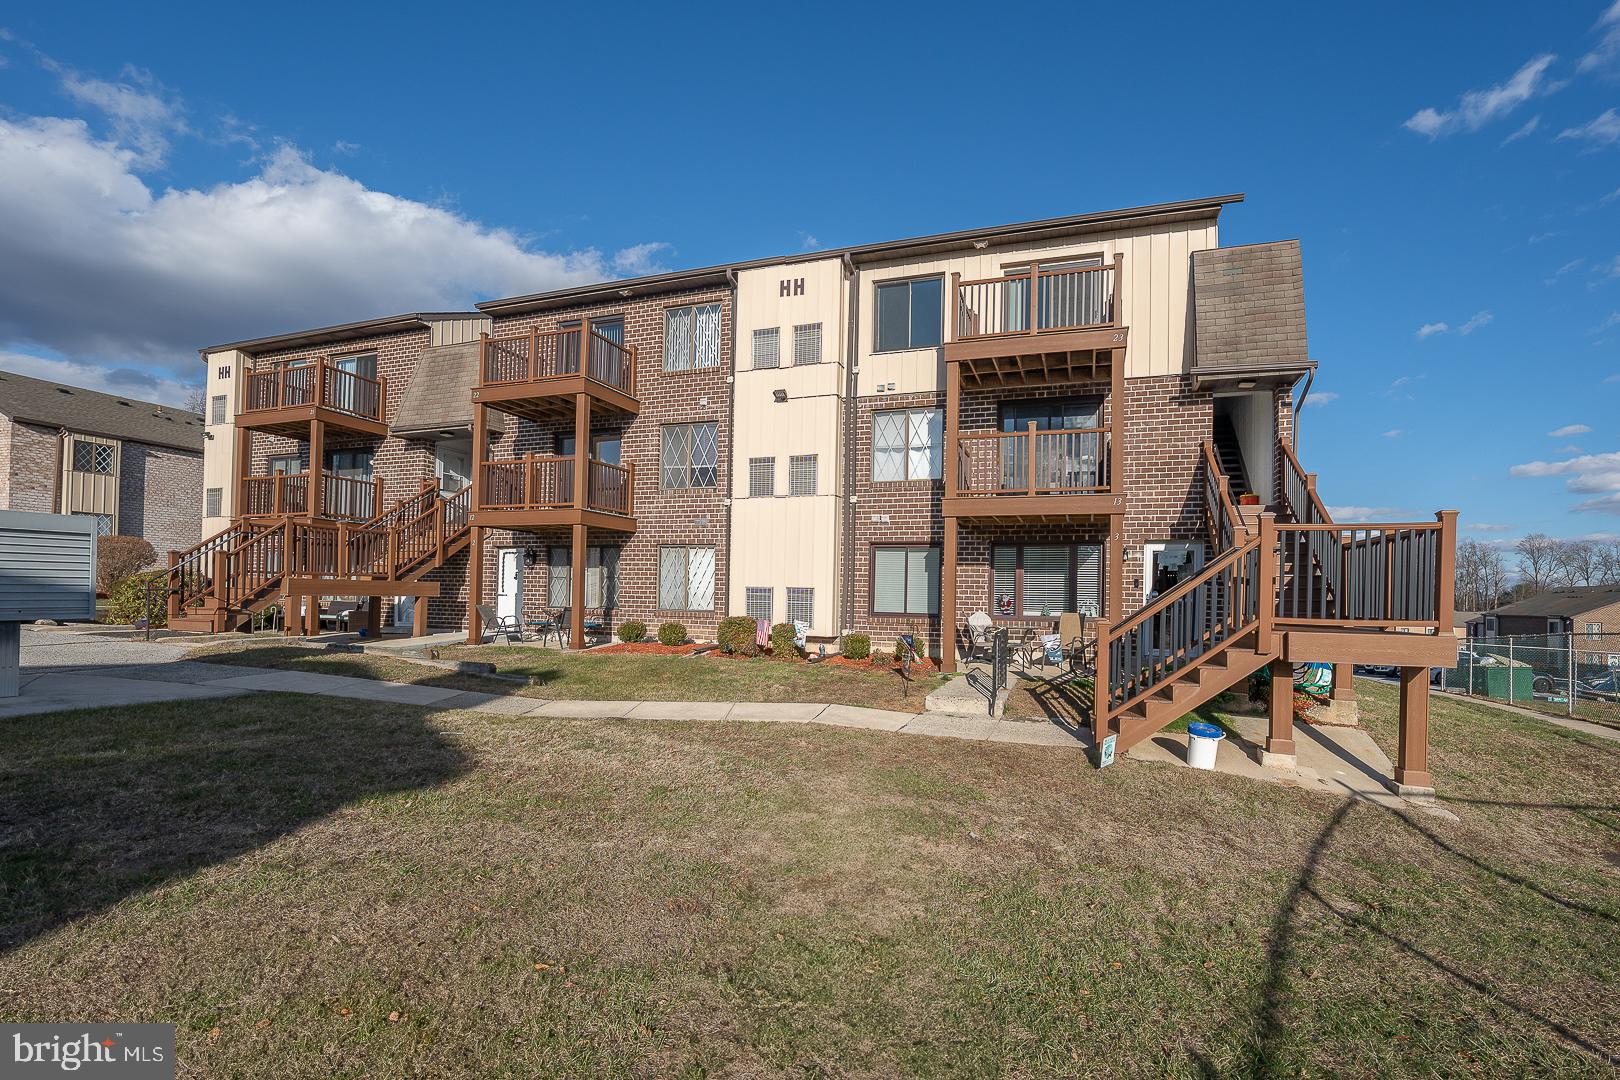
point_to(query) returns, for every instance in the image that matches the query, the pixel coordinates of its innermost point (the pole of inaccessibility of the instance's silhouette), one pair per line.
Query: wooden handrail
(1236, 531)
(1073, 460)
(990, 307)
(564, 352)
(1315, 511)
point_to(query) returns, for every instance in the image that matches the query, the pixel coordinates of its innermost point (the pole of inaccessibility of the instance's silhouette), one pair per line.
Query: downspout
(846, 600)
(1310, 377)
(731, 430)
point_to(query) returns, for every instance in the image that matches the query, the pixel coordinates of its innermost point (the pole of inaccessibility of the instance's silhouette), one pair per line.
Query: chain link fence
(1574, 675)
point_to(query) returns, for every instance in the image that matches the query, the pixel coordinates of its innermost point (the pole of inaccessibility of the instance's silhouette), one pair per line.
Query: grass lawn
(609, 677)
(312, 887)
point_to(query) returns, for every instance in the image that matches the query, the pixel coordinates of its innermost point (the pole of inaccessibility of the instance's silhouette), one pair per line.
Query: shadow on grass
(1066, 702)
(1270, 1027)
(104, 804)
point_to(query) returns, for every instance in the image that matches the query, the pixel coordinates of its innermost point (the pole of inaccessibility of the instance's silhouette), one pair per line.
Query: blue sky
(178, 175)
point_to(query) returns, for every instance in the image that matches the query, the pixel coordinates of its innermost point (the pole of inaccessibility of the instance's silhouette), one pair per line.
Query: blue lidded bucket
(1202, 740)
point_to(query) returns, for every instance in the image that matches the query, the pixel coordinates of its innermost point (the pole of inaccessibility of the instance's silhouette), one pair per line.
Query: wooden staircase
(220, 584)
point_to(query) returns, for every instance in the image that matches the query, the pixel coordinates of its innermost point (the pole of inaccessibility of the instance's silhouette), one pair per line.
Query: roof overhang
(327, 335)
(1249, 376)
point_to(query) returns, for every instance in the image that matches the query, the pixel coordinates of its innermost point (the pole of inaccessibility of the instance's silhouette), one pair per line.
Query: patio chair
(1030, 650)
(1079, 655)
(979, 625)
(338, 613)
(550, 624)
(510, 627)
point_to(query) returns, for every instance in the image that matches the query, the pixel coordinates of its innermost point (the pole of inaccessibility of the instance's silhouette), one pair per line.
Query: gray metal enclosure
(47, 571)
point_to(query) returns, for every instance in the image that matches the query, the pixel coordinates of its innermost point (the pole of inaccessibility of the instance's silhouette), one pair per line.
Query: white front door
(509, 600)
(452, 461)
(404, 610)
(1167, 563)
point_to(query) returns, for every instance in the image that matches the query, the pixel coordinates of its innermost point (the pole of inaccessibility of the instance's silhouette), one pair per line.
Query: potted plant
(1248, 498)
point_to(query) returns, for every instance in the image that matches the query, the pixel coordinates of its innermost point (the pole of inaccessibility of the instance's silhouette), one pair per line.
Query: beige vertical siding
(790, 541)
(219, 442)
(1157, 272)
(456, 331)
(89, 492)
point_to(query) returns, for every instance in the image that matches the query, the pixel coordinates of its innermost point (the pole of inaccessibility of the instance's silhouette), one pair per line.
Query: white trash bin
(1202, 739)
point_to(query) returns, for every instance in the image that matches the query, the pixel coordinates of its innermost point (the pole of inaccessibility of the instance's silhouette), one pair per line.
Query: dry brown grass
(792, 900)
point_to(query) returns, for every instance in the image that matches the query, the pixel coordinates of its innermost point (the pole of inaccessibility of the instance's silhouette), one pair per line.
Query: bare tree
(196, 401)
(1578, 562)
(1608, 554)
(1481, 576)
(1538, 563)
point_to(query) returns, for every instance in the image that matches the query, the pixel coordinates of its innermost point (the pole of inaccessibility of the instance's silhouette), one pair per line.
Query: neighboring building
(134, 466)
(1589, 611)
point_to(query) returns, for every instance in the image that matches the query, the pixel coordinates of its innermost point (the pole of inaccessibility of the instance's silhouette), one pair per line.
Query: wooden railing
(1220, 514)
(537, 482)
(1299, 489)
(553, 354)
(1037, 301)
(316, 382)
(191, 572)
(1366, 575)
(343, 497)
(1032, 462)
(252, 566)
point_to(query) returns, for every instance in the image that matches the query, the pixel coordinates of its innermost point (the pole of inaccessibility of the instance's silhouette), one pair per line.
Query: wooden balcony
(542, 491)
(284, 398)
(1032, 476)
(288, 495)
(1038, 326)
(539, 375)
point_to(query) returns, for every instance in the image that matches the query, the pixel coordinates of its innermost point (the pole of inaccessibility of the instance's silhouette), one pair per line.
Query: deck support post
(582, 450)
(475, 587)
(243, 461)
(1279, 751)
(475, 552)
(315, 502)
(1344, 687)
(374, 606)
(947, 559)
(419, 617)
(576, 597)
(1412, 754)
(1114, 575)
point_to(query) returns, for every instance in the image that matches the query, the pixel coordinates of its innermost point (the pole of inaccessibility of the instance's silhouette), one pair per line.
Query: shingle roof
(91, 412)
(1570, 601)
(439, 395)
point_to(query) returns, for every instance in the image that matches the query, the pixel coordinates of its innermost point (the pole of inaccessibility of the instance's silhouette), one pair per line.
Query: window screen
(216, 413)
(807, 344)
(768, 347)
(213, 501)
(692, 337)
(761, 476)
(686, 578)
(801, 605)
(905, 581)
(802, 474)
(761, 604)
(910, 314)
(689, 456)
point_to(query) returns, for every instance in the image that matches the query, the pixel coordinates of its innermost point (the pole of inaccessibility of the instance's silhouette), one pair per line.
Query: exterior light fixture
(1246, 384)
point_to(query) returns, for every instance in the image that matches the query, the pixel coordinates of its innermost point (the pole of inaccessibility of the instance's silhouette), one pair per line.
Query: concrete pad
(585, 710)
(976, 728)
(792, 712)
(58, 691)
(300, 682)
(1028, 734)
(681, 710)
(390, 643)
(856, 716)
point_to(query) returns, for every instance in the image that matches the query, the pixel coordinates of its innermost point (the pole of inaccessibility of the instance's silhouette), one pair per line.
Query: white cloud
(1587, 474)
(1393, 433)
(1528, 127)
(1483, 318)
(142, 113)
(343, 146)
(1429, 329)
(1599, 131)
(1325, 397)
(1613, 195)
(1567, 430)
(1568, 268)
(1615, 378)
(1351, 515)
(1605, 56)
(639, 259)
(1483, 527)
(808, 241)
(1608, 324)
(1476, 108)
(96, 264)
(126, 382)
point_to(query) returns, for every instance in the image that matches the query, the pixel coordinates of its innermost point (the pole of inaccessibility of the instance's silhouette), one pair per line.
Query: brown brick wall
(35, 465)
(1249, 304)
(696, 517)
(160, 496)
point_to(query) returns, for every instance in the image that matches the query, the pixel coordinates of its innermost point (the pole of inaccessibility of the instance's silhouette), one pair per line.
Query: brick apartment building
(135, 466)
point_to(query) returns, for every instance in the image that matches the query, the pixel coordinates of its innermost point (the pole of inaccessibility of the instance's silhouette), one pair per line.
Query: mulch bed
(648, 648)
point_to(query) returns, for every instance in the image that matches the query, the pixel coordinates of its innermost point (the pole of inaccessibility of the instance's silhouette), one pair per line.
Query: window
(689, 456)
(92, 457)
(216, 407)
(686, 579)
(1046, 579)
(768, 348)
(761, 604)
(802, 474)
(801, 606)
(807, 344)
(222, 372)
(213, 502)
(692, 337)
(1052, 414)
(906, 445)
(1594, 630)
(910, 314)
(905, 581)
(761, 476)
(104, 524)
(285, 463)
(1555, 626)
(601, 577)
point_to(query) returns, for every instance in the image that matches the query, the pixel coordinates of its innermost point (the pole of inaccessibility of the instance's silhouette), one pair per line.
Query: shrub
(857, 646)
(119, 557)
(632, 632)
(736, 635)
(782, 643)
(881, 658)
(672, 633)
(127, 600)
